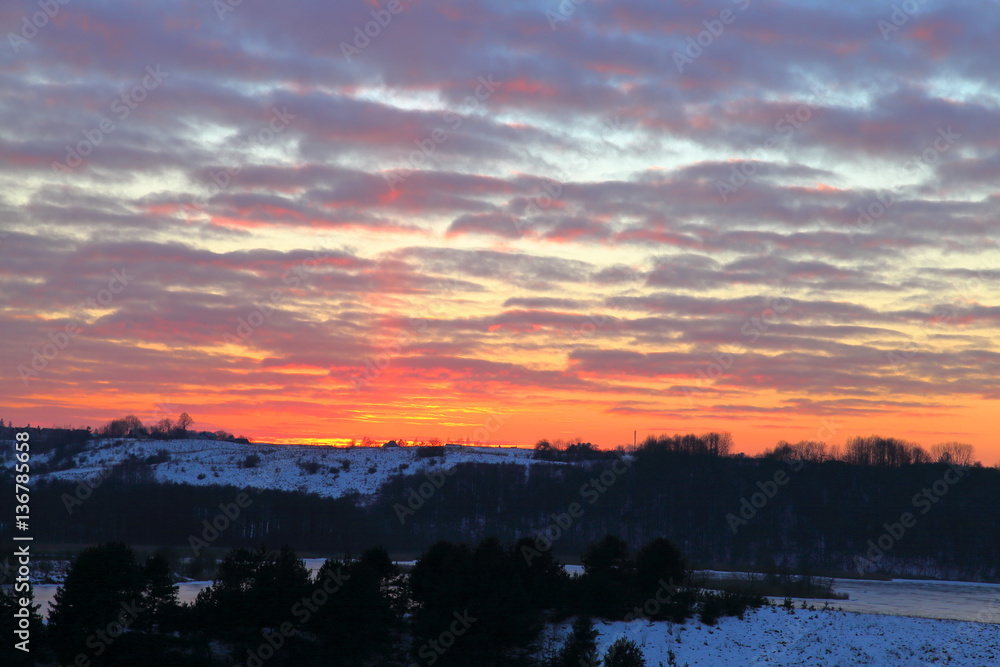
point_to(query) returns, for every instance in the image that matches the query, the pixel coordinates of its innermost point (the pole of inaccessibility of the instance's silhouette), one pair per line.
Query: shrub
(728, 603)
(161, 456)
(310, 467)
(624, 653)
(430, 451)
(251, 461)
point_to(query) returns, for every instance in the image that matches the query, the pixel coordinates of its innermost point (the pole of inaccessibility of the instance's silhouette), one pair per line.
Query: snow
(954, 600)
(281, 467)
(774, 636)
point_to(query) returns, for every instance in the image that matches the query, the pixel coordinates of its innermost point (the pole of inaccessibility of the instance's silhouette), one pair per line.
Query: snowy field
(951, 600)
(328, 471)
(774, 636)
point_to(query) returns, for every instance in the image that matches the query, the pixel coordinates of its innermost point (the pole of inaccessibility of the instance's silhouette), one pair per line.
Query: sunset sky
(504, 220)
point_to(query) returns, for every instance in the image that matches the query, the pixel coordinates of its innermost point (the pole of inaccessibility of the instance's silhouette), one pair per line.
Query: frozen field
(952, 600)
(776, 637)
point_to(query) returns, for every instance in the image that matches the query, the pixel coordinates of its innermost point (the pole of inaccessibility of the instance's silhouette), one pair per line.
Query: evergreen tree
(362, 607)
(609, 578)
(659, 561)
(159, 594)
(253, 590)
(104, 587)
(542, 575)
(580, 649)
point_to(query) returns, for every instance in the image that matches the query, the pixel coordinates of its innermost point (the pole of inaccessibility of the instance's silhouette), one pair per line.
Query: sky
(503, 221)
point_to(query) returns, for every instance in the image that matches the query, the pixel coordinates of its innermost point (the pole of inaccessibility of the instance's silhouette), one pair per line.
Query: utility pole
(633, 439)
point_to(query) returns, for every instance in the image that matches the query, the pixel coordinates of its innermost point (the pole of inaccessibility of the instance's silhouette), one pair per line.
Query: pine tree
(580, 649)
(103, 586)
(160, 592)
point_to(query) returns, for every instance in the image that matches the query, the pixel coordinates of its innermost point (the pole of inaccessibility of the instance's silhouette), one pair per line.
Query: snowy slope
(338, 471)
(773, 636)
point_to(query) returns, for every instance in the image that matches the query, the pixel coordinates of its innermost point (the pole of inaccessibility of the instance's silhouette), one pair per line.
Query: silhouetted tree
(159, 596)
(183, 421)
(608, 582)
(253, 590)
(624, 653)
(580, 649)
(362, 606)
(103, 588)
(659, 561)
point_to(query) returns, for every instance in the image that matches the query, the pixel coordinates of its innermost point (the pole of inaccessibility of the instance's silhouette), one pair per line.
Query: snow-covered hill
(327, 471)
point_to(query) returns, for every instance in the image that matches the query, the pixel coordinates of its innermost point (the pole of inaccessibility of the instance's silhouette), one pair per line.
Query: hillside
(327, 471)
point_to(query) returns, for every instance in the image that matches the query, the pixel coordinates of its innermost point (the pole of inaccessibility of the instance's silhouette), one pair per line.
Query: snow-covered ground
(774, 636)
(952, 600)
(328, 471)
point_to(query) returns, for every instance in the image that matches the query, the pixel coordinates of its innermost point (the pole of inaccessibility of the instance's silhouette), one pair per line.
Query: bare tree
(164, 427)
(958, 453)
(183, 421)
(133, 426)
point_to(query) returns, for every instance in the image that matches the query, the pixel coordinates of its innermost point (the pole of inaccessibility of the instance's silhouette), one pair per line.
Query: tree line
(811, 514)
(459, 605)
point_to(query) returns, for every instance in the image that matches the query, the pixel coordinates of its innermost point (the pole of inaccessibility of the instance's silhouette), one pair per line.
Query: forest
(888, 513)
(458, 605)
